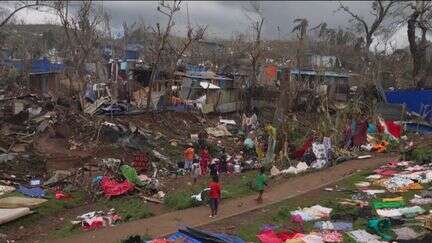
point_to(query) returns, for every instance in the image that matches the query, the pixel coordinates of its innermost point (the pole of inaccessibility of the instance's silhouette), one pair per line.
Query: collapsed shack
(221, 93)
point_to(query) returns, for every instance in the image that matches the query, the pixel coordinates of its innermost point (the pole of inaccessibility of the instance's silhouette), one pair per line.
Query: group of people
(200, 164)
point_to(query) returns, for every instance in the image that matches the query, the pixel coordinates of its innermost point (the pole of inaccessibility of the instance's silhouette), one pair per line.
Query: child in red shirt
(215, 196)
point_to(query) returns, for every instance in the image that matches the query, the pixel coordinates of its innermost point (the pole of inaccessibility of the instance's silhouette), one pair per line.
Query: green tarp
(131, 175)
(379, 204)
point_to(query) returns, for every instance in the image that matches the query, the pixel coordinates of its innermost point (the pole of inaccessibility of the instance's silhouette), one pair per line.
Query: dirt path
(168, 223)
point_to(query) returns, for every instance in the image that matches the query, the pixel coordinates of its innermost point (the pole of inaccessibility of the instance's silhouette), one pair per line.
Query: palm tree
(301, 28)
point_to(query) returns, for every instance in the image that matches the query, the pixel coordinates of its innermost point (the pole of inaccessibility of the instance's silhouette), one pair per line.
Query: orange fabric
(189, 154)
(271, 72)
(380, 147)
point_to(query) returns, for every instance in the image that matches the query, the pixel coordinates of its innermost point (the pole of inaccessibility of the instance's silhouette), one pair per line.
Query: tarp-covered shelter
(43, 74)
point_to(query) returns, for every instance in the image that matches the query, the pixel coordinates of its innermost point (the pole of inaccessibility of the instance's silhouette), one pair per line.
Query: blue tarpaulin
(42, 66)
(419, 101)
(201, 236)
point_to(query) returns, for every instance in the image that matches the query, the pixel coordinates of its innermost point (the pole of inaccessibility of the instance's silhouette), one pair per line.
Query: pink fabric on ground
(385, 172)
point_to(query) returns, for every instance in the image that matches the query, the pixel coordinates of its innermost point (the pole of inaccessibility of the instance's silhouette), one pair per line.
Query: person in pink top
(204, 161)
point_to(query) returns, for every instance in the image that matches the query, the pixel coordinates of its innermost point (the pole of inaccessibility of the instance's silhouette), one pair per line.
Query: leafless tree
(255, 47)
(82, 36)
(420, 17)
(6, 15)
(169, 10)
(193, 35)
(380, 11)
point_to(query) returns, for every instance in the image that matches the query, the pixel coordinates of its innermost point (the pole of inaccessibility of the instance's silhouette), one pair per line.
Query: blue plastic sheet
(32, 192)
(419, 101)
(186, 238)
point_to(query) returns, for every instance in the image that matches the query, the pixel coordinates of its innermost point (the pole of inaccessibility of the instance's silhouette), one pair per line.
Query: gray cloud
(225, 17)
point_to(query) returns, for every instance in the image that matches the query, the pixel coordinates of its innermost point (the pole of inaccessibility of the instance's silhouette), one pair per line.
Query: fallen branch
(150, 199)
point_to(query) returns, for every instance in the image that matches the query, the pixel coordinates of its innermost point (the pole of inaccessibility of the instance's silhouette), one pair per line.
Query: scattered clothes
(397, 183)
(385, 172)
(321, 156)
(199, 197)
(411, 211)
(312, 238)
(95, 220)
(131, 175)
(313, 213)
(405, 233)
(373, 192)
(362, 184)
(111, 164)
(32, 192)
(6, 189)
(392, 199)
(114, 188)
(374, 177)
(337, 225)
(379, 226)
(406, 212)
(367, 147)
(18, 202)
(218, 131)
(380, 146)
(298, 154)
(378, 204)
(332, 236)
(389, 213)
(362, 236)
(301, 167)
(59, 195)
(415, 168)
(270, 236)
(421, 201)
(361, 196)
(10, 214)
(267, 227)
(426, 194)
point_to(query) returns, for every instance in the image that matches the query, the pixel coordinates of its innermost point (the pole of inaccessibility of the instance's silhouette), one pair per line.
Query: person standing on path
(215, 196)
(261, 182)
(195, 170)
(188, 156)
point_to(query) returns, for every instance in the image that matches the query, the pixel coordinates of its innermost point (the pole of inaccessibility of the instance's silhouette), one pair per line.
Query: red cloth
(385, 172)
(269, 236)
(392, 164)
(204, 161)
(359, 137)
(215, 190)
(60, 195)
(114, 188)
(393, 128)
(298, 154)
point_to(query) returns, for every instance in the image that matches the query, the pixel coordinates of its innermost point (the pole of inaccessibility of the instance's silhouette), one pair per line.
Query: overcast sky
(225, 17)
